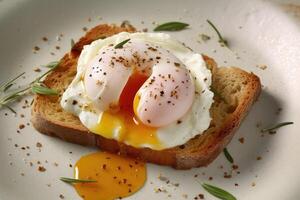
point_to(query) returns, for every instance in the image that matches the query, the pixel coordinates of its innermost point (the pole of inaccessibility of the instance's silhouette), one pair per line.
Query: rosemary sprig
(227, 155)
(35, 86)
(121, 44)
(73, 180)
(272, 129)
(222, 41)
(6, 85)
(218, 192)
(52, 64)
(171, 26)
(39, 89)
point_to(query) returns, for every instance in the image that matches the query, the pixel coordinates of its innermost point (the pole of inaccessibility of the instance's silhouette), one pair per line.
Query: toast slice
(235, 92)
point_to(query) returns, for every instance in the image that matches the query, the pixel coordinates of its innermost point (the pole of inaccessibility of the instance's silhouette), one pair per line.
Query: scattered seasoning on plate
(262, 67)
(61, 196)
(41, 169)
(45, 39)
(36, 48)
(39, 145)
(84, 29)
(21, 126)
(204, 37)
(36, 69)
(234, 167)
(258, 158)
(242, 140)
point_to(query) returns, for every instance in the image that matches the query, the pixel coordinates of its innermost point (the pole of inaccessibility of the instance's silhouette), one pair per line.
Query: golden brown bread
(235, 92)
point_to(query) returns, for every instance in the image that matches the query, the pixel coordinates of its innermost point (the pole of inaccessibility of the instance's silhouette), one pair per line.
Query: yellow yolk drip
(124, 123)
(116, 176)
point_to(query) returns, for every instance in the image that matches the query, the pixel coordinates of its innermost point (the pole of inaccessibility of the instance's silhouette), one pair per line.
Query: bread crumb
(201, 196)
(36, 69)
(204, 37)
(258, 158)
(262, 67)
(36, 48)
(21, 126)
(41, 169)
(39, 145)
(235, 167)
(242, 140)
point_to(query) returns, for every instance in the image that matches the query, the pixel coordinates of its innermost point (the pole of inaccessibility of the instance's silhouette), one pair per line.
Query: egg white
(193, 123)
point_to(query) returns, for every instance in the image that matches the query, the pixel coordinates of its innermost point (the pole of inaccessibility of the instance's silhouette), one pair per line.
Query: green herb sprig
(36, 86)
(227, 155)
(121, 44)
(218, 192)
(6, 85)
(73, 180)
(272, 129)
(171, 26)
(222, 41)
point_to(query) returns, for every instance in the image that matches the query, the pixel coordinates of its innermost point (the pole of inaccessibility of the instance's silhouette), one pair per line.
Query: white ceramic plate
(259, 33)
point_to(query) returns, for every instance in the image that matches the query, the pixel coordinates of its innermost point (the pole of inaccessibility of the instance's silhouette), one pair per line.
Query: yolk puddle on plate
(116, 176)
(124, 121)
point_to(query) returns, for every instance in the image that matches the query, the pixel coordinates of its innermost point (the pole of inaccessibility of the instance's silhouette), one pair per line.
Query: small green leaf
(120, 45)
(171, 26)
(227, 155)
(5, 86)
(218, 192)
(72, 180)
(38, 89)
(271, 129)
(52, 64)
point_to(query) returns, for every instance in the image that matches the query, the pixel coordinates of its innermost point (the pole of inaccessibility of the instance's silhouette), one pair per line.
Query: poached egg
(152, 92)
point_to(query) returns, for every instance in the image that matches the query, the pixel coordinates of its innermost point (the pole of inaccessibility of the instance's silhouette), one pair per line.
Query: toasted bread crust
(199, 151)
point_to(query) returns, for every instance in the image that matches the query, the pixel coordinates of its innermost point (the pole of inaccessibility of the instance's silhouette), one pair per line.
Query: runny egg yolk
(125, 122)
(115, 176)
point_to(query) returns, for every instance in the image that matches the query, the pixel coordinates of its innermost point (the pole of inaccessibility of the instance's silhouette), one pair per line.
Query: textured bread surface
(235, 92)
